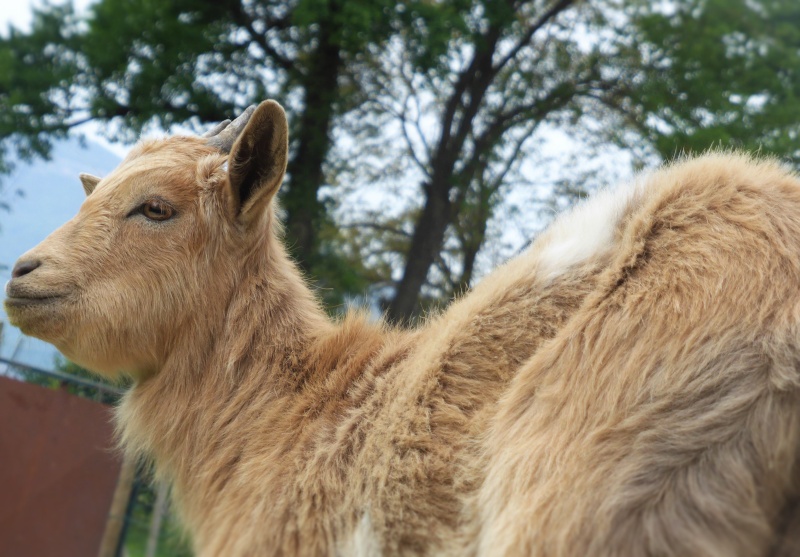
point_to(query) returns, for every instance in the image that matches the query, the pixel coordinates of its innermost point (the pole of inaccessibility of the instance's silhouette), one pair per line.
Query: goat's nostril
(22, 268)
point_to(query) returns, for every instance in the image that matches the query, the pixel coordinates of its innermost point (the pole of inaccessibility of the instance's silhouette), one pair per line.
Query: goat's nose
(22, 268)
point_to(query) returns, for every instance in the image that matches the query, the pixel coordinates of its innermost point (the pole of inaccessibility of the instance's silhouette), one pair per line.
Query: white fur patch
(585, 231)
(363, 542)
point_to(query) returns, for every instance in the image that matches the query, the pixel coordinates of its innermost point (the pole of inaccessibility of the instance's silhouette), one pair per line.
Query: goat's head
(156, 243)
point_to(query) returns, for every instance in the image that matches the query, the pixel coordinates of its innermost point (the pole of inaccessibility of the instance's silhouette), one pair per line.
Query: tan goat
(628, 386)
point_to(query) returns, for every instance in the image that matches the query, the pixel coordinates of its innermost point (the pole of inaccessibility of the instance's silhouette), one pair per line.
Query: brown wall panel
(58, 470)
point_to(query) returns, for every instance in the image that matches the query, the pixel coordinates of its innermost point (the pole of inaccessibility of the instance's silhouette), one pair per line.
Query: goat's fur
(627, 386)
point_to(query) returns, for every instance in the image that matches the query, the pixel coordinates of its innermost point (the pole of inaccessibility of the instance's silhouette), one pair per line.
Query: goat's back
(664, 417)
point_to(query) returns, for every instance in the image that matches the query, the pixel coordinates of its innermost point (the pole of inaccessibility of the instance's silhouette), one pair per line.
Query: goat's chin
(43, 318)
(53, 321)
(97, 365)
(92, 351)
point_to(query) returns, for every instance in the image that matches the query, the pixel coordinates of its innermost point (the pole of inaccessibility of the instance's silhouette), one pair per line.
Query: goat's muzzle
(30, 300)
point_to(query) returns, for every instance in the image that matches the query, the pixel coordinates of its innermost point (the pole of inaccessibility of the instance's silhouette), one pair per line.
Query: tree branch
(378, 227)
(546, 17)
(475, 79)
(411, 150)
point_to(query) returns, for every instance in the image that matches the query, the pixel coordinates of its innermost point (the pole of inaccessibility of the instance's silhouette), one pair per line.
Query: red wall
(58, 471)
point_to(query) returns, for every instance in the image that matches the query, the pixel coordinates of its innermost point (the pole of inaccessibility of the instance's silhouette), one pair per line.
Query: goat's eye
(157, 210)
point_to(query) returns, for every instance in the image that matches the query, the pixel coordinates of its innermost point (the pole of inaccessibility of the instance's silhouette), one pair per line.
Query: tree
(656, 79)
(449, 102)
(139, 63)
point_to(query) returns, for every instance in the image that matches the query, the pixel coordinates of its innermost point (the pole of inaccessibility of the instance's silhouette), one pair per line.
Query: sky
(45, 196)
(18, 12)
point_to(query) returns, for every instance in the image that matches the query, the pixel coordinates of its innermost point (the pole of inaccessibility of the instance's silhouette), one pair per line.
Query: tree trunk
(429, 231)
(426, 242)
(305, 169)
(470, 253)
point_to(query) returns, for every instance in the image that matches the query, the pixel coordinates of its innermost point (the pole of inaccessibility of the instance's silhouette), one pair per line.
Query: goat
(627, 386)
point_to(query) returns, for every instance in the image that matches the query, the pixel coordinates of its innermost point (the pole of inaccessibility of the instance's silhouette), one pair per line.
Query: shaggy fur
(628, 386)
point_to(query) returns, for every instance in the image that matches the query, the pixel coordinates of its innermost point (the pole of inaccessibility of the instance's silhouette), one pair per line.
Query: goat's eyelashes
(156, 210)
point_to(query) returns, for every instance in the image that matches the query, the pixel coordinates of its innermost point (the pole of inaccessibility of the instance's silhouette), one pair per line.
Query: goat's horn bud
(224, 134)
(216, 129)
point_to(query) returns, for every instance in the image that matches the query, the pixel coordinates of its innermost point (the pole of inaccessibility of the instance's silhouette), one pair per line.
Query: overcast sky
(18, 12)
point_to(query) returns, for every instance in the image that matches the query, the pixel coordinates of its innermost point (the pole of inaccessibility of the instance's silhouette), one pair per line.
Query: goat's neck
(259, 346)
(272, 321)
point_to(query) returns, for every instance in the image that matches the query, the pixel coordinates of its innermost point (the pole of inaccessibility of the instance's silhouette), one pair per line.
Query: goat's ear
(257, 161)
(89, 182)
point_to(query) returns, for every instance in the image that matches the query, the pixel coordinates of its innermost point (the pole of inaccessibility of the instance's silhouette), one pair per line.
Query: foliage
(172, 541)
(36, 71)
(717, 72)
(419, 127)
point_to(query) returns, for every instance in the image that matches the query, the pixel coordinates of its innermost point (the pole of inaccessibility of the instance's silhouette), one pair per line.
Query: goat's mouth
(25, 294)
(21, 301)
(24, 303)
